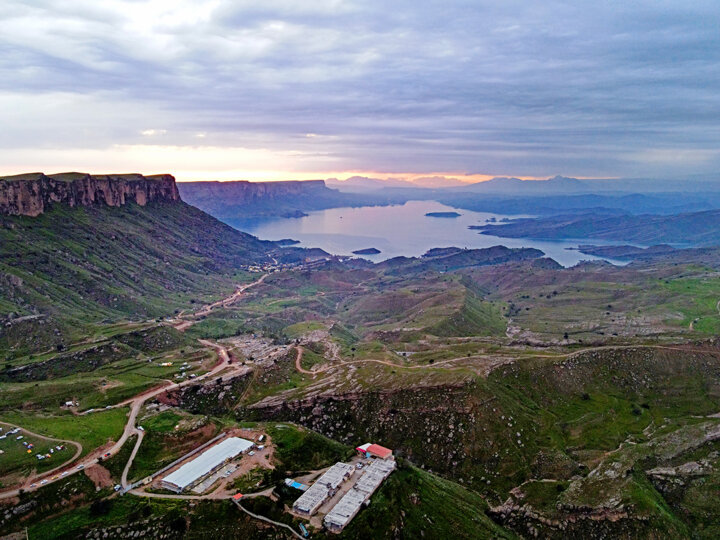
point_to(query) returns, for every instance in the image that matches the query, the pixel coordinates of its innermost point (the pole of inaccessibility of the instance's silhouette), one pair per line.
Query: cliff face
(31, 194)
(244, 192)
(242, 200)
(239, 199)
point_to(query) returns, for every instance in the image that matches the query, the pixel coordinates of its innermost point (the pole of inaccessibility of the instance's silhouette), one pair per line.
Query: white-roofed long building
(206, 463)
(347, 508)
(324, 488)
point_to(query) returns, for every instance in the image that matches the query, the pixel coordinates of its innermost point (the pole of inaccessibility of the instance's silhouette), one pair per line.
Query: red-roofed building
(375, 450)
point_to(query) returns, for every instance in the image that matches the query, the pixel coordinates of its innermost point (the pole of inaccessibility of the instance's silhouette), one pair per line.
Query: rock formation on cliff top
(31, 194)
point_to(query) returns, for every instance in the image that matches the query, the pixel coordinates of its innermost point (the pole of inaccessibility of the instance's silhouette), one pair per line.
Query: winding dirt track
(300, 369)
(185, 322)
(225, 362)
(135, 403)
(298, 366)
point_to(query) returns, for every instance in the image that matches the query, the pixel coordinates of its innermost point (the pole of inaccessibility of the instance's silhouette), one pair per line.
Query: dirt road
(186, 321)
(138, 401)
(135, 404)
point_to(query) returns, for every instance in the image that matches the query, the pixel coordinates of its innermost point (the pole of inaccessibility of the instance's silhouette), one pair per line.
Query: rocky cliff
(236, 201)
(31, 194)
(244, 192)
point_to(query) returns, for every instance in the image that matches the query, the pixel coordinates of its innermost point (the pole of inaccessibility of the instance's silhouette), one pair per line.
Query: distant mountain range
(557, 185)
(364, 184)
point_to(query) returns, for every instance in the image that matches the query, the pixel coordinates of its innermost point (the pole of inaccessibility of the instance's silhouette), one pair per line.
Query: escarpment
(32, 194)
(245, 192)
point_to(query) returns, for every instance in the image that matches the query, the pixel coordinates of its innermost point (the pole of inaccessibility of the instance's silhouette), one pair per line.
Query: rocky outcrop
(34, 193)
(242, 200)
(242, 191)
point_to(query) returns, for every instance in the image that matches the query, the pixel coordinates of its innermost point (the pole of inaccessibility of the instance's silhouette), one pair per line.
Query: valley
(520, 398)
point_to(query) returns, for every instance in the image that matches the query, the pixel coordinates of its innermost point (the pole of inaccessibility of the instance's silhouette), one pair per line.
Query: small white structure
(206, 463)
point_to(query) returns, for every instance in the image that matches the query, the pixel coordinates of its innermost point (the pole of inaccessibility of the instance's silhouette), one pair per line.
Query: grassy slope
(415, 504)
(94, 374)
(86, 265)
(163, 444)
(91, 431)
(541, 418)
(302, 450)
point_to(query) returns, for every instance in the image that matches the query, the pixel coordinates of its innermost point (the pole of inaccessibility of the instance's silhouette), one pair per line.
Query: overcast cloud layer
(508, 88)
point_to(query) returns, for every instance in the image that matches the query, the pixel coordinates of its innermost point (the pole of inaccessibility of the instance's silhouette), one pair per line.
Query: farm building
(206, 463)
(374, 451)
(347, 508)
(325, 487)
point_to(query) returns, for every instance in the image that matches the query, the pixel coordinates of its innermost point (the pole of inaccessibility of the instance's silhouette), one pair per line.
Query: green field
(16, 463)
(91, 430)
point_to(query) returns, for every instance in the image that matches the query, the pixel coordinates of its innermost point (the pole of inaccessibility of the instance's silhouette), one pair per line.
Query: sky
(287, 89)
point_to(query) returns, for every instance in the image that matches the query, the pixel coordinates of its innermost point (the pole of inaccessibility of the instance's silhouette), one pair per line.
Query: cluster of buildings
(369, 478)
(347, 508)
(325, 487)
(210, 461)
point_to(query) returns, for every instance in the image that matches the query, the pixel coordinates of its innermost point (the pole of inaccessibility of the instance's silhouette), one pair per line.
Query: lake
(402, 230)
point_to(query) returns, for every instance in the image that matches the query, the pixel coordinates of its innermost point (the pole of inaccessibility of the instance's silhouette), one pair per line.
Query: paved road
(126, 470)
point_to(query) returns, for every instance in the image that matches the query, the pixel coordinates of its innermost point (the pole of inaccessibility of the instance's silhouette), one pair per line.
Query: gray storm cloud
(583, 88)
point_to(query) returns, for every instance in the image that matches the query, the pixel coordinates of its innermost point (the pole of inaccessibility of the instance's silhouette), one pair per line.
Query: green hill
(73, 266)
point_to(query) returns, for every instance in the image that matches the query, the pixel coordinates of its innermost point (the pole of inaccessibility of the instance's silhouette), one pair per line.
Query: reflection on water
(401, 230)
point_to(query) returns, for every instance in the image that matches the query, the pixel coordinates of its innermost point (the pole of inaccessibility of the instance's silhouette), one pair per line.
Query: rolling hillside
(73, 266)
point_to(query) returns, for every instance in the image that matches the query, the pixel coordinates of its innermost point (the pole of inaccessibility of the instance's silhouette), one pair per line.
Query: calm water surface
(402, 230)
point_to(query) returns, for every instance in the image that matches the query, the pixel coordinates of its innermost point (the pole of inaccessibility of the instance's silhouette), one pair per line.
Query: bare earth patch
(99, 475)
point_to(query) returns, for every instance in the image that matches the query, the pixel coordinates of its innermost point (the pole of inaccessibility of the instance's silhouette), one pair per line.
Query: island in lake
(443, 214)
(367, 251)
